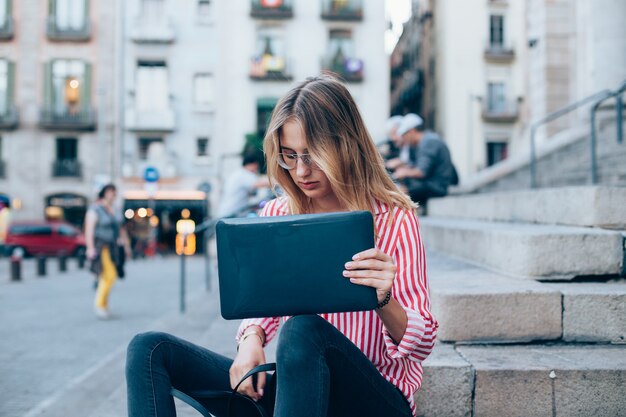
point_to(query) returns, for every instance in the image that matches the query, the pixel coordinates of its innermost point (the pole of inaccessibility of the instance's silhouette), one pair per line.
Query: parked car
(44, 238)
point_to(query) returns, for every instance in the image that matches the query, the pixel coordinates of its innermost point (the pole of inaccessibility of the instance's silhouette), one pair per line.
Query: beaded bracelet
(384, 302)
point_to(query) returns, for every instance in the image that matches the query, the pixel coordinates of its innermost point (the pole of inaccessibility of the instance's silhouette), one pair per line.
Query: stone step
(560, 380)
(597, 206)
(476, 305)
(523, 380)
(544, 252)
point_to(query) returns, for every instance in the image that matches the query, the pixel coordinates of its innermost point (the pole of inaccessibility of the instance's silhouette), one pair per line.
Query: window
(70, 14)
(496, 152)
(5, 100)
(67, 149)
(153, 10)
(496, 31)
(4, 12)
(496, 97)
(203, 90)
(152, 86)
(70, 85)
(264, 109)
(202, 147)
(144, 146)
(66, 231)
(340, 45)
(204, 7)
(269, 57)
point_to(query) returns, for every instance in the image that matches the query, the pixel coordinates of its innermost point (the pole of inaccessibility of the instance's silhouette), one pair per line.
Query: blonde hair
(338, 141)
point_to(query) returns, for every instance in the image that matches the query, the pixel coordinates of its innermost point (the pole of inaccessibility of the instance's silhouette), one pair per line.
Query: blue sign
(151, 174)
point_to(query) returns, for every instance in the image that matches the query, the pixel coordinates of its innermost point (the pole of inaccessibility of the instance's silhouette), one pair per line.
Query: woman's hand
(250, 354)
(90, 253)
(372, 268)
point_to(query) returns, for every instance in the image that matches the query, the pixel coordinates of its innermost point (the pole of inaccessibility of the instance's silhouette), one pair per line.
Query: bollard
(41, 266)
(62, 263)
(16, 264)
(81, 261)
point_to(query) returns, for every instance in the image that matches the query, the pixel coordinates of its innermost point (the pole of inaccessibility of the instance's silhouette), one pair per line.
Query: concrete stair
(587, 206)
(551, 343)
(476, 305)
(538, 251)
(527, 380)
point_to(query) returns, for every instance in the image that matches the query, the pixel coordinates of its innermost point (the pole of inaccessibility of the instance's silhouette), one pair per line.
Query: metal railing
(84, 119)
(619, 115)
(596, 99)
(350, 69)
(9, 118)
(350, 10)
(284, 10)
(67, 168)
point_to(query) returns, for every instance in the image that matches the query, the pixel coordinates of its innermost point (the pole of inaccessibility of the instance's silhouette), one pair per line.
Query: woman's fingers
(372, 253)
(373, 264)
(247, 386)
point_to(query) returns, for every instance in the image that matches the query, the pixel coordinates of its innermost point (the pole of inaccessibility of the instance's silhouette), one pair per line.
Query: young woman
(345, 364)
(103, 236)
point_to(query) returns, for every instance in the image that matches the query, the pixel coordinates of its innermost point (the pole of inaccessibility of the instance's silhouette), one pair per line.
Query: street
(57, 359)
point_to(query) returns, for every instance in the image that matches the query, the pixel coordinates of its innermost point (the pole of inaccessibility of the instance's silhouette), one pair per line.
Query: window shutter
(48, 99)
(85, 91)
(9, 8)
(52, 8)
(10, 84)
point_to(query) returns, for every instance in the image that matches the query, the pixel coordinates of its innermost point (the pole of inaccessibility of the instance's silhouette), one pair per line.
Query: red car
(44, 238)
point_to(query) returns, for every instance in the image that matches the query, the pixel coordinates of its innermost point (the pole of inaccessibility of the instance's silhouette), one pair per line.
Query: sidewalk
(56, 359)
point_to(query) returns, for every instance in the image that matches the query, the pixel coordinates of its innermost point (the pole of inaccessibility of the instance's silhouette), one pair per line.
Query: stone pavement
(57, 359)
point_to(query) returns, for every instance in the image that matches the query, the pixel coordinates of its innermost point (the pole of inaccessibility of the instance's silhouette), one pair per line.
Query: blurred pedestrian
(390, 147)
(241, 185)
(105, 239)
(426, 171)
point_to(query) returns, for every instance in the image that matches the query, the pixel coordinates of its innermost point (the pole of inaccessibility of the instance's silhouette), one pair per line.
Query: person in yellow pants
(105, 283)
(103, 235)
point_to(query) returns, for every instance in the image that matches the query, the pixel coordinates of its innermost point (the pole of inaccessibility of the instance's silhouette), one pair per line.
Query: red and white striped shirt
(400, 364)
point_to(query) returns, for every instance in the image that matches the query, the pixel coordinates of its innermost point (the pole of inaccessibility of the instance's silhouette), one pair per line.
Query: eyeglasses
(290, 160)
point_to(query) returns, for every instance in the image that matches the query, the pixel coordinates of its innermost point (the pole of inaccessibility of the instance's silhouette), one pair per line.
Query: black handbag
(239, 405)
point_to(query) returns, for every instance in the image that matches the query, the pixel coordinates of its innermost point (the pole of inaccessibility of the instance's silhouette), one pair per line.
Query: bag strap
(261, 368)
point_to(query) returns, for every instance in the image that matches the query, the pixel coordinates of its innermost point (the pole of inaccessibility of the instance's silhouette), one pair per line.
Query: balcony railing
(67, 168)
(350, 69)
(342, 10)
(3, 169)
(66, 119)
(270, 68)
(7, 30)
(153, 30)
(499, 52)
(282, 10)
(9, 118)
(500, 112)
(55, 33)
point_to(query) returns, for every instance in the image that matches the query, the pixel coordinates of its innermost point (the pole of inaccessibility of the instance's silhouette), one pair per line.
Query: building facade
(56, 104)
(487, 69)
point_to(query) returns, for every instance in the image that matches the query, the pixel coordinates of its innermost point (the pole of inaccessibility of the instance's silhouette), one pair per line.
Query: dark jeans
(420, 191)
(320, 373)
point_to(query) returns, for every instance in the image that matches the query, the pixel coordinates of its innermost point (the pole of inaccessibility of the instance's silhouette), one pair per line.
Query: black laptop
(290, 265)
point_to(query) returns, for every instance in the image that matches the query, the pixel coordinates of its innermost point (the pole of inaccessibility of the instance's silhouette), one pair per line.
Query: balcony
(269, 68)
(7, 30)
(499, 52)
(3, 169)
(282, 9)
(68, 119)
(342, 10)
(9, 118)
(55, 33)
(349, 69)
(153, 30)
(500, 112)
(67, 168)
(153, 120)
